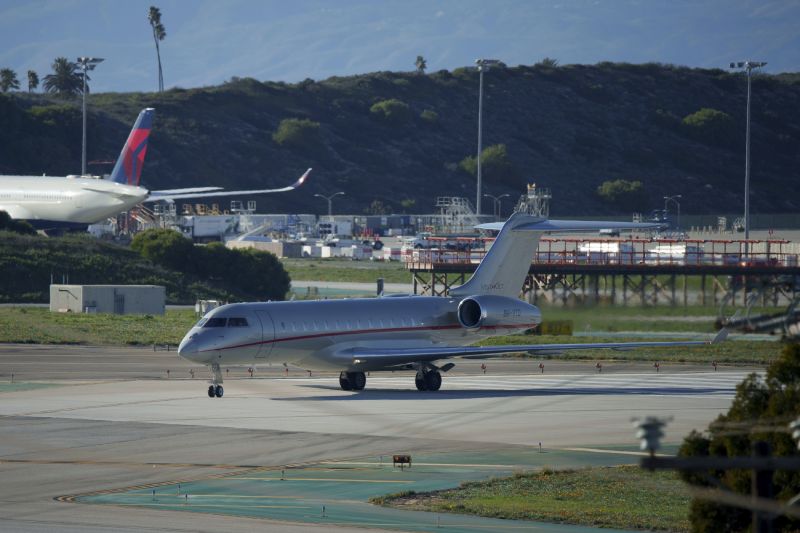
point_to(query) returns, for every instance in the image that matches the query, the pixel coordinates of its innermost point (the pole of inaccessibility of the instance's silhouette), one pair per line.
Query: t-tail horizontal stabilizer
(504, 267)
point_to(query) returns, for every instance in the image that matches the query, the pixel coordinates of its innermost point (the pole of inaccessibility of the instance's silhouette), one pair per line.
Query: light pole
(668, 199)
(86, 64)
(748, 67)
(496, 200)
(330, 201)
(483, 64)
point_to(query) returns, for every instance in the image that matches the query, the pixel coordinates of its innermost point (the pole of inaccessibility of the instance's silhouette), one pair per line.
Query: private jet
(74, 202)
(356, 336)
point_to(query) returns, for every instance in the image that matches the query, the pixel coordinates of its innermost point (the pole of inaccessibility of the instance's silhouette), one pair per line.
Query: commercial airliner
(355, 336)
(77, 201)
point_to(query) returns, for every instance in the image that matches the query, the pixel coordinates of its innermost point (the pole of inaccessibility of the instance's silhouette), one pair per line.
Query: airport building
(115, 299)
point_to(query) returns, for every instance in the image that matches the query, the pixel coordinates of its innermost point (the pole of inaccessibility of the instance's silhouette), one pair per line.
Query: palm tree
(8, 80)
(66, 80)
(33, 81)
(154, 16)
(421, 65)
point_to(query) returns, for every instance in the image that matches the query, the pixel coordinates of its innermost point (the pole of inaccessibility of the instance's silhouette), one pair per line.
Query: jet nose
(188, 347)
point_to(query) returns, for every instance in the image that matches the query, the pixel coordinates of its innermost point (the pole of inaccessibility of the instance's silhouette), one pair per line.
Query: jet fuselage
(321, 334)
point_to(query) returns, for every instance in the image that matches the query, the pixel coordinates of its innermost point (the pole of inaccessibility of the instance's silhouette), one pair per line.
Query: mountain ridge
(569, 128)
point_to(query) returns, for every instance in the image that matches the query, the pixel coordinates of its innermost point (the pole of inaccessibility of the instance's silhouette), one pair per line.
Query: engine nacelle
(488, 311)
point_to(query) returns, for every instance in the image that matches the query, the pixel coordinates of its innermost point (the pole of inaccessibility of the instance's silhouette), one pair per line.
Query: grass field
(346, 270)
(618, 497)
(39, 325)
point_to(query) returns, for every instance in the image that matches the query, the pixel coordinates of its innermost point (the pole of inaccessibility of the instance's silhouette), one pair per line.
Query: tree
(66, 80)
(8, 80)
(623, 194)
(760, 402)
(547, 62)
(495, 164)
(421, 65)
(33, 81)
(159, 33)
(17, 226)
(377, 208)
(165, 247)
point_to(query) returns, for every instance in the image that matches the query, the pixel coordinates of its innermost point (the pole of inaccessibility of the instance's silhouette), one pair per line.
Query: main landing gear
(352, 380)
(215, 390)
(428, 380)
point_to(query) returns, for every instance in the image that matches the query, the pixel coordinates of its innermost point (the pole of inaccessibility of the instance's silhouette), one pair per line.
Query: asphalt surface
(80, 424)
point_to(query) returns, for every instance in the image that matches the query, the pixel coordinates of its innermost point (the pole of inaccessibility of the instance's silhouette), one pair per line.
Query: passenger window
(237, 322)
(215, 323)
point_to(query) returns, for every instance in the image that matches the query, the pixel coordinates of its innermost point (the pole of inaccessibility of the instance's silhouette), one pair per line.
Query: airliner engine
(488, 311)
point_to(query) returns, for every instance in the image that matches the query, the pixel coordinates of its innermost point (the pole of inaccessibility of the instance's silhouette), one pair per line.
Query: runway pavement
(110, 419)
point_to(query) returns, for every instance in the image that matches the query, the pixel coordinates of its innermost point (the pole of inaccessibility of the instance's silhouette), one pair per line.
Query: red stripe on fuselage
(363, 331)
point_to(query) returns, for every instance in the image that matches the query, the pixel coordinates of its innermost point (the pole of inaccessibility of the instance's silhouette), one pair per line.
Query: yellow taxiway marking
(323, 479)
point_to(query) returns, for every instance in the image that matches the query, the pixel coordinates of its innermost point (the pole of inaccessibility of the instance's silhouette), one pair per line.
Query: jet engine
(489, 311)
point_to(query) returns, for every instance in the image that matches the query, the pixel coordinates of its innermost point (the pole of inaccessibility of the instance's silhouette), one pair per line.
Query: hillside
(569, 128)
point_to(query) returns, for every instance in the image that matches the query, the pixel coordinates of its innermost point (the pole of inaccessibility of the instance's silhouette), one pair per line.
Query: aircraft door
(267, 334)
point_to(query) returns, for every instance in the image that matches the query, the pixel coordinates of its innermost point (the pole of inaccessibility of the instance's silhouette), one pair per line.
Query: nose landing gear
(215, 390)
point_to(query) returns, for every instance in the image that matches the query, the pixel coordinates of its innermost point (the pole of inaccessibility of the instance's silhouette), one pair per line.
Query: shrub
(298, 133)
(624, 194)
(429, 116)
(710, 125)
(17, 226)
(393, 111)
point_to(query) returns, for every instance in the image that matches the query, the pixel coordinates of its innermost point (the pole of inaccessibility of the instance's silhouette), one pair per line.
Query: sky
(208, 42)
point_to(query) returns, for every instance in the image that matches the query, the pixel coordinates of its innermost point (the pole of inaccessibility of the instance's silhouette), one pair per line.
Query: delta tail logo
(128, 169)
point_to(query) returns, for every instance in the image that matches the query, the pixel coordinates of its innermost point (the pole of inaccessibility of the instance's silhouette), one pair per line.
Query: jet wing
(559, 226)
(210, 192)
(400, 356)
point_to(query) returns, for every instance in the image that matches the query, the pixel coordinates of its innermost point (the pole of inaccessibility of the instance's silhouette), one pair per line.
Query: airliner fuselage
(50, 201)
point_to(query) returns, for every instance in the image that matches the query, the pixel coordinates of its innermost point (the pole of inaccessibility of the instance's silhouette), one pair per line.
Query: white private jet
(77, 201)
(354, 336)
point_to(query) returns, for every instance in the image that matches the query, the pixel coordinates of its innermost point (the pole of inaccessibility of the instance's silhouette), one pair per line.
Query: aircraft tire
(211, 391)
(357, 379)
(219, 391)
(344, 381)
(433, 381)
(419, 381)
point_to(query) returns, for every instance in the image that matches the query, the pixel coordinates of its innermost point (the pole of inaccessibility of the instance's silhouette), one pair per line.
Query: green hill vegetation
(28, 263)
(389, 137)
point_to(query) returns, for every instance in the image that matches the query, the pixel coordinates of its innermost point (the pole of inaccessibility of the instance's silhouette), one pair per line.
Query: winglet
(720, 336)
(301, 180)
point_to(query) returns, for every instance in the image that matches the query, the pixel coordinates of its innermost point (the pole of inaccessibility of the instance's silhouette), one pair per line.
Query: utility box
(114, 299)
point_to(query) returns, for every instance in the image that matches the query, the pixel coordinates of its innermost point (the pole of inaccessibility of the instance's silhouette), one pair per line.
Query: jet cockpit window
(201, 323)
(237, 322)
(215, 323)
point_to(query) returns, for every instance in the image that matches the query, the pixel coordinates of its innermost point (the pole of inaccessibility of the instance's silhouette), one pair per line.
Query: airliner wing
(558, 226)
(400, 356)
(213, 192)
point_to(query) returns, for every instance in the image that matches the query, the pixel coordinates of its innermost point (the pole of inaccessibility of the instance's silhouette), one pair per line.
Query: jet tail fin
(504, 267)
(128, 169)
